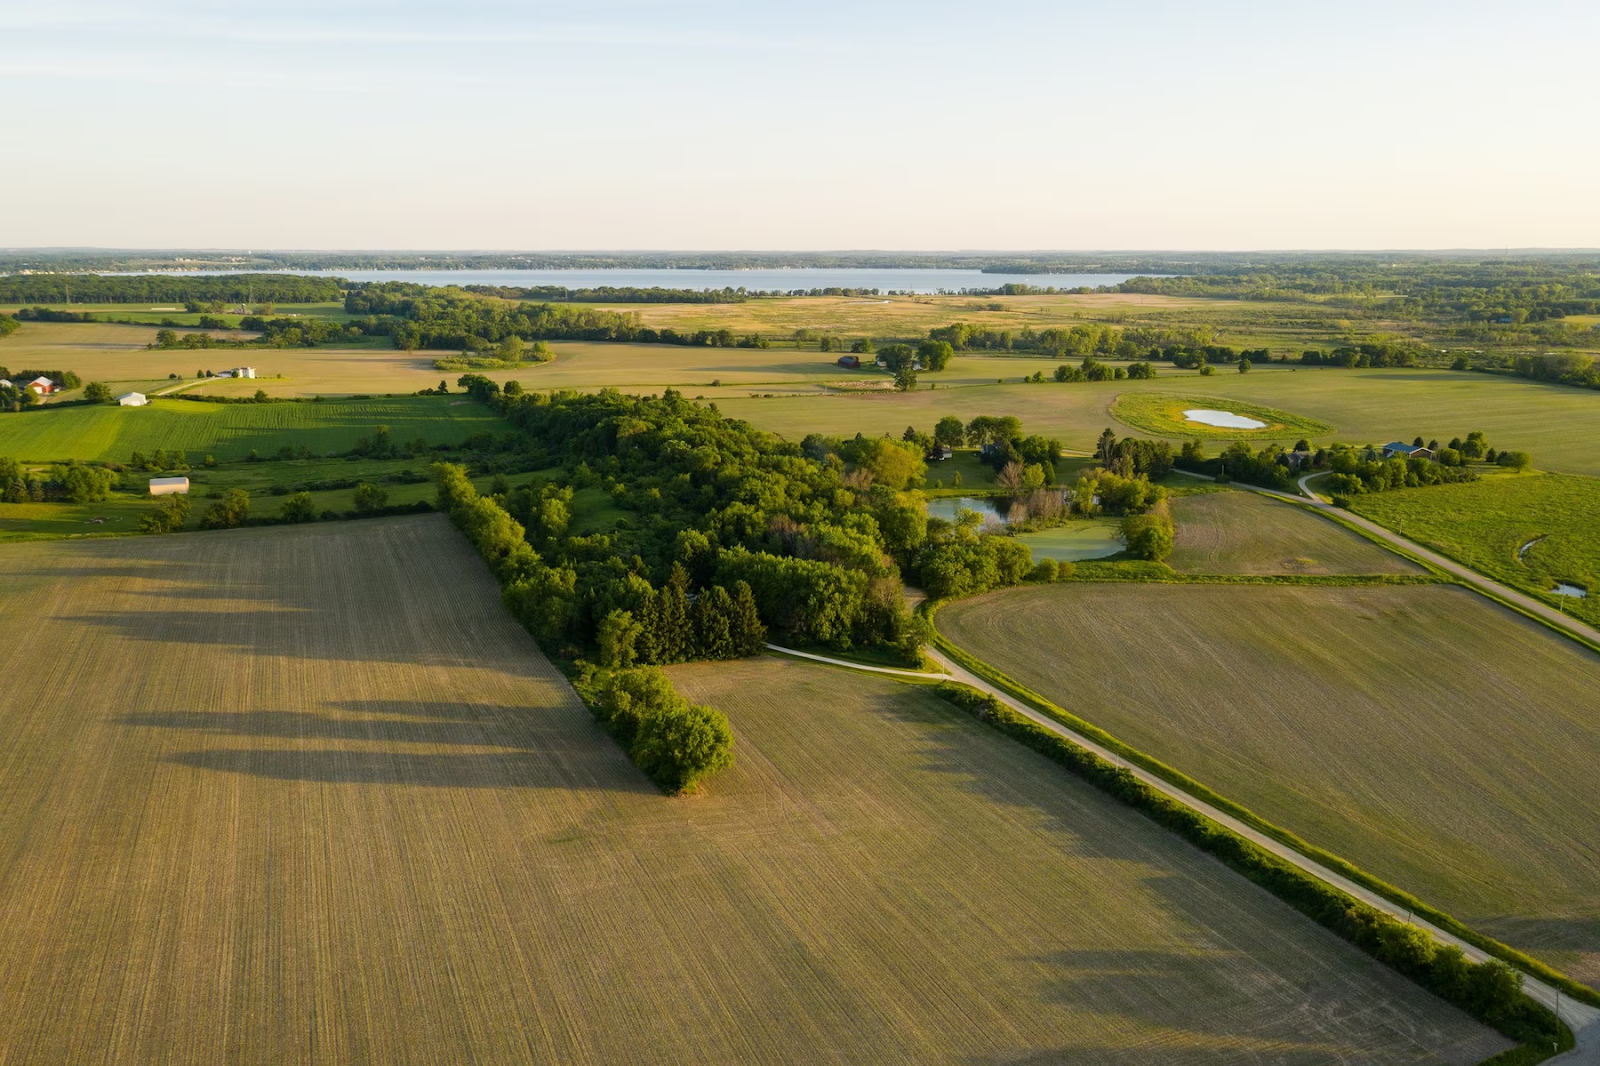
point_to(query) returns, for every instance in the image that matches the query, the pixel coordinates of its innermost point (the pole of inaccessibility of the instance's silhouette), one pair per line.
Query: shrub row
(1490, 991)
(676, 743)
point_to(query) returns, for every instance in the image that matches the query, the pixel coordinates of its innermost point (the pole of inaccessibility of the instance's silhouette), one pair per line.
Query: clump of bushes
(676, 743)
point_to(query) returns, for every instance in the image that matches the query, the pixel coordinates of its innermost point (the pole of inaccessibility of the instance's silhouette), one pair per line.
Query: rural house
(1405, 451)
(166, 486)
(850, 362)
(42, 385)
(132, 399)
(242, 372)
(939, 453)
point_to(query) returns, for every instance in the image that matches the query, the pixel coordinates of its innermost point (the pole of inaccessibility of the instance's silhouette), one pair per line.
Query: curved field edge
(1161, 413)
(1177, 778)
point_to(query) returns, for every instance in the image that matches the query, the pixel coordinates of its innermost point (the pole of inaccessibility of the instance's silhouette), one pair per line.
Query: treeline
(1490, 991)
(167, 288)
(73, 482)
(676, 743)
(417, 316)
(299, 332)
(1492, 291)
(611, 294)
(1355, 469)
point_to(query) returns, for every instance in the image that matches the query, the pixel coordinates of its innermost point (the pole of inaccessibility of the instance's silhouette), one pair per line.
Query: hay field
(1527, 530)
(1560, 426)
(233, 431)
(307, 795)
(1238, 532)
(1444, 743)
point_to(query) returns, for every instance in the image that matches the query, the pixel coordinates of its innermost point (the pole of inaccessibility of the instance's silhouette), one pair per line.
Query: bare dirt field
(306, 794)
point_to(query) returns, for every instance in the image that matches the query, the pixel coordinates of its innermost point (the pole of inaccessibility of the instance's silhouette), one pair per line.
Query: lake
(883, 279)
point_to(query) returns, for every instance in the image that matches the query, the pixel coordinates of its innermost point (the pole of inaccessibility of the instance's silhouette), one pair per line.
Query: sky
(822, 125)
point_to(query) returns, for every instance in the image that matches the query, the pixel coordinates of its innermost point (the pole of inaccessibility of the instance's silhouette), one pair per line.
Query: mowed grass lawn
(308, 795)
(1441, 742)
(1486, 525)
(1559, 425)
(1239, 532)
(233, 431)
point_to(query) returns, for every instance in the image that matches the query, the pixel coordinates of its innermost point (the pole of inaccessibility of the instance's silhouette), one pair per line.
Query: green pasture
(232, 431)
(1091, 538)
(1162, 415)
(1530, 531)
(1441, 742)
(1559, 425)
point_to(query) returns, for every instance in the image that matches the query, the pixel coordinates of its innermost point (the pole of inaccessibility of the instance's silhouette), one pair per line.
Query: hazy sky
(907, 125)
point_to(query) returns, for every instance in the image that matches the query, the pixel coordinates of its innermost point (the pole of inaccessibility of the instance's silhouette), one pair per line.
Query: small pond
(1564, 589)
(945, 507)
(1222, 419)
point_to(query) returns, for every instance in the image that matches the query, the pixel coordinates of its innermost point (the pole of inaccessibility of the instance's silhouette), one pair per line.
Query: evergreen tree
(712, 613)
(672, 634)
(744, 626)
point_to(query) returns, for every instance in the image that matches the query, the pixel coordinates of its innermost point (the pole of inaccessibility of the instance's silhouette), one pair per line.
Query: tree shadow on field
(555, 747)
(1247, 977)
(398, 590)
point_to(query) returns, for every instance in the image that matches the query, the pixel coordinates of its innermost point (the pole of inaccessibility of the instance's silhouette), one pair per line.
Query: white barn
(243, 372)
(133, 399)
(166, 486)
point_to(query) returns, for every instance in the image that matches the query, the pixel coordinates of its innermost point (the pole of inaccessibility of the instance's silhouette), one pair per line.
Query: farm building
(939, 453)
(166, 486)
(850, 362)
(242, 372)
(132, 399)
(1406, 451)
(42, 385)
(7, 383)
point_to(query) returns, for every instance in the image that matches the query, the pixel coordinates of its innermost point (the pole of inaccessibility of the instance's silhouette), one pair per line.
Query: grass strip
(1490, 992)
(1395, 895)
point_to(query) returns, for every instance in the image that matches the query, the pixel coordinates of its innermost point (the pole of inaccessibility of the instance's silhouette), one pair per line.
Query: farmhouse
(242, 372)
(850, 362)
(42, 385)
(6, 383)
(939, 453)
(132, 399)
(1406, 451)
(166, 486)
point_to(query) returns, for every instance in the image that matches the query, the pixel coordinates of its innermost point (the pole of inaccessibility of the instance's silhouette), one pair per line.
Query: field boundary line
(919, 674)
(1317, 861)
(1560, 994)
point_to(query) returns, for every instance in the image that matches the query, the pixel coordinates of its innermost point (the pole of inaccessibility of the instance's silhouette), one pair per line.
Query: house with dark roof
(1406, 451)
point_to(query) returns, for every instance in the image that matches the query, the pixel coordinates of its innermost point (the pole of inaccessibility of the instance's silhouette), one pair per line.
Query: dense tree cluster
(676, 743)
(169, 515)
(611, 294)
(72, 481)
(820, 548)
(1373, 353)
